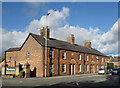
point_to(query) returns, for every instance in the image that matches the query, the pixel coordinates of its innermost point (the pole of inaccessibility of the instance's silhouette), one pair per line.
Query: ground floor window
(79, 67)
(97, 67)
(51, 68)
(63, 68)
(87, 67)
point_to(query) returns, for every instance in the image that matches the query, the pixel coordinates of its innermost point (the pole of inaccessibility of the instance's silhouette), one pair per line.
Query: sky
(95, 21)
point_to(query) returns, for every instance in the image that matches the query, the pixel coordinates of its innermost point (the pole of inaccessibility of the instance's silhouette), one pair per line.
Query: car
(103, 71)
(115, 71)
(110, 70)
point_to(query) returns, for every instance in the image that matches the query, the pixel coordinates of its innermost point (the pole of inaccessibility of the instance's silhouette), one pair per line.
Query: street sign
(10, 69)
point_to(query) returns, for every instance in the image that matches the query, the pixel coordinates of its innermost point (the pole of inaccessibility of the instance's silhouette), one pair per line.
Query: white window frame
(102, 60)
(79, 67)
(28, 55)
(52, 53)
(97, 59)
(52, 65)
(79, 56)
(52, 68)
(105, 60)
(87, 57)
(64, 55)
(87, 67)
(97, 67)
(64, 65)
(72, 54)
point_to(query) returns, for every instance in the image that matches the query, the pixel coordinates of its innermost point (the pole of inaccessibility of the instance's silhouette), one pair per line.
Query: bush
(22, 74)
(13, 75)
(17, 76)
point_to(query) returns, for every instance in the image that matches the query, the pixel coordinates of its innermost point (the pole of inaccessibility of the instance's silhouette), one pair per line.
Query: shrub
(17, 76)
(22, 74)
(13, 75)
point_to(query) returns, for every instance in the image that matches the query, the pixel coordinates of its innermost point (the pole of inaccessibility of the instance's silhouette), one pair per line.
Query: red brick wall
(67, 61)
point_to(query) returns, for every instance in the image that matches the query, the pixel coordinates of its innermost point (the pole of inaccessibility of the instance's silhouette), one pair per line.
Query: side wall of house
(35, 56)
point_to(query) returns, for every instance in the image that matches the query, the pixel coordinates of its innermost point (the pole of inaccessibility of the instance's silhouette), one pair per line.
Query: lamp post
(46, 48)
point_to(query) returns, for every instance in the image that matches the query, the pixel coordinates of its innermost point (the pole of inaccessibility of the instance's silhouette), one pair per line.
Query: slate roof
(54, 43)
(115, 60)
(13, 49)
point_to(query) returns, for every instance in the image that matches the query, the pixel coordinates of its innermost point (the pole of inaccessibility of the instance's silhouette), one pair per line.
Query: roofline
(21, 46)
(74, 51)
(53, 47)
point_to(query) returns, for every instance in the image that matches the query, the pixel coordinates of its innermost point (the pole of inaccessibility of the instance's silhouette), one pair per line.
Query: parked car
(110, 70)
(103, 71)
(116, 71)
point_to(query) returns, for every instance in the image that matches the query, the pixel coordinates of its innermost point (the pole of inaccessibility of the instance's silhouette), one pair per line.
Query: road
(83, 80)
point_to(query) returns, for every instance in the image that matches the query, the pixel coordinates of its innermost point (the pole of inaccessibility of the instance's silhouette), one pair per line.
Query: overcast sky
(95, 21)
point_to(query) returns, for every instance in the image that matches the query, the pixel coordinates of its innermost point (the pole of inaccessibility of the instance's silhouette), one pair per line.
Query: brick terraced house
(63, 58)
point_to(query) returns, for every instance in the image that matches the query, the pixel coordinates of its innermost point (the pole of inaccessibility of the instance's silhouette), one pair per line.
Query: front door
(93, 68)
(73, 69)
(70, 69)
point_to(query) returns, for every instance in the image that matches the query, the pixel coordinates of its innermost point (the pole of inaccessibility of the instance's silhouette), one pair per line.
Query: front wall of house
(35, 56)
(72, 59)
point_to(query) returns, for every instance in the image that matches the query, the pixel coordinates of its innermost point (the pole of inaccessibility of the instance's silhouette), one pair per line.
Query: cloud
(54, 20)
(107, 42)
(33, 4)
(30, 12)
(11, 39)
(16, 38)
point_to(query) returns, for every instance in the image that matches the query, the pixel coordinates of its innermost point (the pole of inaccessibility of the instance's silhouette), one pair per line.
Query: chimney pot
(43, 32)
(88, 43)
(71, 39)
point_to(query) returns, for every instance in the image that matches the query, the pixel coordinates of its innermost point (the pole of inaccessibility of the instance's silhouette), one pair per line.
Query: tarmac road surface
(82, 81)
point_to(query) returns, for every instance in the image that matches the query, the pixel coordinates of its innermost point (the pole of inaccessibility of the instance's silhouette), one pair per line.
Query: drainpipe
(84, 64)
(5, 62)
(58, 61)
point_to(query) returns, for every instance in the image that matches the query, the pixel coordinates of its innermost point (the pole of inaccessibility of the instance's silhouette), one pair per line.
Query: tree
(2, 58)
(110, 65)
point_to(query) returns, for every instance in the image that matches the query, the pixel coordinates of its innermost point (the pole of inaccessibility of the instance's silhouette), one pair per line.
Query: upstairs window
(79, 56)
(51, 54)
(102, 59)
(105, 60)
(87, 58)
(97, 59)
(63, 55)
(63, 68)
(28, 55)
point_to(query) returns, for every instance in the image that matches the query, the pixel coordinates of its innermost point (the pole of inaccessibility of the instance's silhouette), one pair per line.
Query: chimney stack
(71, 39)
(43, 32)
(88, 43)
